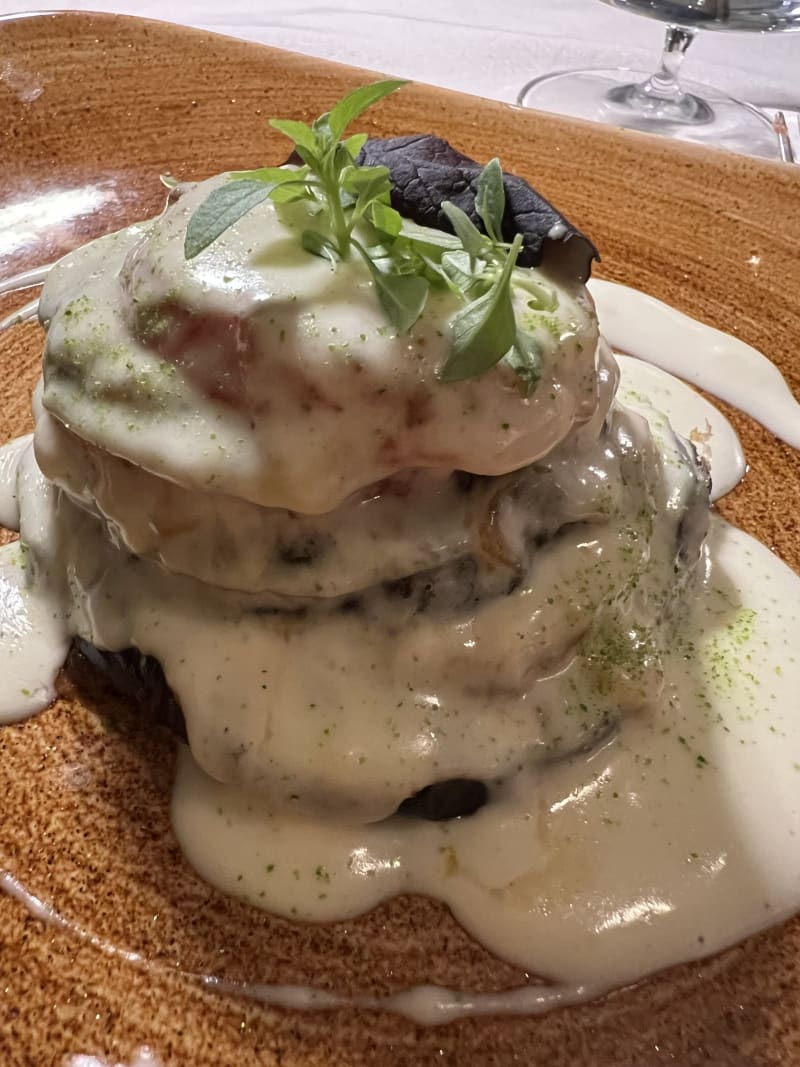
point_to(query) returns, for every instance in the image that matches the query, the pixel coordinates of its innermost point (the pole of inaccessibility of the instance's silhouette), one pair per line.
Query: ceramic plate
(92, 109)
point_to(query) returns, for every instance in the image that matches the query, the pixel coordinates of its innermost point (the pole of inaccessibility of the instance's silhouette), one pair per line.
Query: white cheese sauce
(33, 640)
(670, 841)
(33, 637)
(277, 380)
(653, 392)
(724, 366)
(10, 455)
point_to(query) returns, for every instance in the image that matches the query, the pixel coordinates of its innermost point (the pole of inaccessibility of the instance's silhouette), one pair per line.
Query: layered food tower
(371, 591)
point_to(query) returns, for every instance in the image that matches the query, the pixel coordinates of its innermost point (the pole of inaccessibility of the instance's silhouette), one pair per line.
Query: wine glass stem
(661, 97)
(664, 85)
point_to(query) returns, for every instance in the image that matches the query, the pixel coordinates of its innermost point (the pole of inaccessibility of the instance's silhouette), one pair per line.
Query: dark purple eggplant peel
(425, 171)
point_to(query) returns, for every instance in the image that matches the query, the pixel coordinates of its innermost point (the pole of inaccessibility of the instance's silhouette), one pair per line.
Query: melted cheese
(258, 371)
(613, 696)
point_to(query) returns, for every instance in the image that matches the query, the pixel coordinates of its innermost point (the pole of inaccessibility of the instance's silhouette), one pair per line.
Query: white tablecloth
(489, 49)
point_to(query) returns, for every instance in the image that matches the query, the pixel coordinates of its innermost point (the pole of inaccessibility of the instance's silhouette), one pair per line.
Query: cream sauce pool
(673, 840)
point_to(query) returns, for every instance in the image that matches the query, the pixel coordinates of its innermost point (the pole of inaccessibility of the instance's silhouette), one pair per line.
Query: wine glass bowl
(759, 16)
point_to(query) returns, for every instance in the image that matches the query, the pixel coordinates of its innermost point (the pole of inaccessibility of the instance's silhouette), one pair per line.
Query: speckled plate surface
(92, 109)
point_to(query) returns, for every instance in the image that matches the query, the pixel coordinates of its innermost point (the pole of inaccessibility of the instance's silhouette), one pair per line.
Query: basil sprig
(403, 259)
(485, 330)
(329, 176)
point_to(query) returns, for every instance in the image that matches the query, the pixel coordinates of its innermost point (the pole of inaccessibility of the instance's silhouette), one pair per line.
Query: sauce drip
(723, 365)
(669, 843)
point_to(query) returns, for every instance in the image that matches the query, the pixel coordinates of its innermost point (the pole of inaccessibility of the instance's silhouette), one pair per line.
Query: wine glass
(661, 102)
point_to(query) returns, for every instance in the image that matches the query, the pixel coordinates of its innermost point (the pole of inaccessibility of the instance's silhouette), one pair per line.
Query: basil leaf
(329, 180)
(369, 184)
(438, 277)
(468, 234)
(366, 203)
(221, 209)
(460, 269)
(427, 236)
(356, 179)
(402, 296)
(485, 329)
(525, 356)
(385, 218)
(490, 199)
(311, 158)
(319, 245)
(355, 143)
(407, 264)
(341, 159)
(322, 128)
(352, 105)
(275, 175)
(289, 192)
(377, 252)
(299, 132)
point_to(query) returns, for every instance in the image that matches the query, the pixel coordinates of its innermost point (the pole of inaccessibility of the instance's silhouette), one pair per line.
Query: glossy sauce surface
(276, 379)
(515, 874)
(361, 656)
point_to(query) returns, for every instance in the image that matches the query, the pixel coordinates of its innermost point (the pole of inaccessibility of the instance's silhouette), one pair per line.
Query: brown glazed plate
(92, 109)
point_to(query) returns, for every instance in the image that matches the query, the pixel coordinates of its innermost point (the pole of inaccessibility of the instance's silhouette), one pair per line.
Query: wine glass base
(686, 108)
(620, 97)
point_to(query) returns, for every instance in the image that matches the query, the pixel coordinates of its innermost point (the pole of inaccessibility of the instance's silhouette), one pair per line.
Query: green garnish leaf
(426, 236)
(466, 231)
(352, 210)
(224, 206)
(342, 160)
(357, 102)
(272, 175)
(525, 357)
(485, 329)
(369, 185)
(319, 245)
(490, 200)
(378, 253)
(484, 332)
(385, 218)
(288, 193)
(461, 269)
(301, 134)
(432, 270)
(322, 128)
(362, 180)
(355, 143)
(402, 297)
(311, 158)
